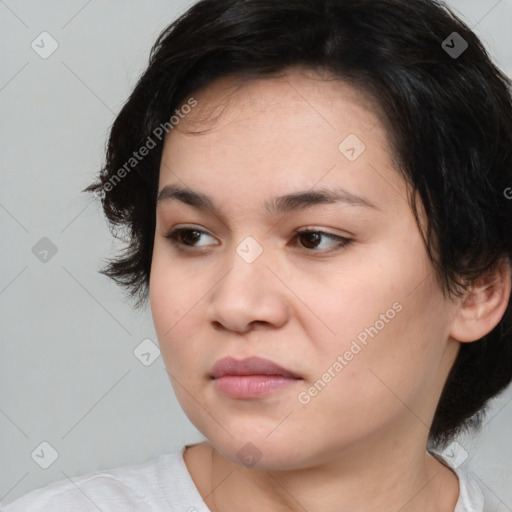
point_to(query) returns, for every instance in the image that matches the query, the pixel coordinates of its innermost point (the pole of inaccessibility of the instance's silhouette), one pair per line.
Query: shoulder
(133, 488)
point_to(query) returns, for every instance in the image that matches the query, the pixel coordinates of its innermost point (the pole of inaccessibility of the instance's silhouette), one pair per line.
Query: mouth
(252, 377)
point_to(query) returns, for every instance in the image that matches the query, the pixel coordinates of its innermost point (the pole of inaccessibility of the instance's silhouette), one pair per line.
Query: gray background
(68, 374)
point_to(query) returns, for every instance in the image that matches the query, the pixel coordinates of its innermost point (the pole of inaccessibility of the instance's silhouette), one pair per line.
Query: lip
(249, 366)
(253, 377)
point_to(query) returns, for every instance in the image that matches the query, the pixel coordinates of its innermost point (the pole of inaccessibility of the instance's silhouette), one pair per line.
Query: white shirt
(160, 485)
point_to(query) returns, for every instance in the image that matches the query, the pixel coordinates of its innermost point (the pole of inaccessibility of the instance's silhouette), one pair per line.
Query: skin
(360, 443)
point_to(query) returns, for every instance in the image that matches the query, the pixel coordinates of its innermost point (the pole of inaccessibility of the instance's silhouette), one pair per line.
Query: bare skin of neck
(224, 485)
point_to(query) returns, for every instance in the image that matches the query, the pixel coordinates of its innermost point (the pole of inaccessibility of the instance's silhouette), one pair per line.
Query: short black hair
(447, 109)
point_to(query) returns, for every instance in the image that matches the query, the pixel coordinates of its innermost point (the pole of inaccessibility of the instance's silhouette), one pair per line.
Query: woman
(316, 197)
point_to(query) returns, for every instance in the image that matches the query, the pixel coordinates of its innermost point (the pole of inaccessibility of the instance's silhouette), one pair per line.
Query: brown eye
(311, 240)
(187, 238)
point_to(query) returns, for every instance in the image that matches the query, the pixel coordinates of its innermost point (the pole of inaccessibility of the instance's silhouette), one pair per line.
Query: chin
(255, 450)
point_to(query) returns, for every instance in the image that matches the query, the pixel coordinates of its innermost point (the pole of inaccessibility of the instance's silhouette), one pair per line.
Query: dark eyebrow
(278, 205)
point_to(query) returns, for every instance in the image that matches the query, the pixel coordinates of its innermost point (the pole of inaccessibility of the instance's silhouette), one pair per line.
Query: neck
(376, 480)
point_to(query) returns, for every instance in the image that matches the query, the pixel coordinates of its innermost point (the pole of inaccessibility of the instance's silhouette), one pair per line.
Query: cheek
(173, 298)
(174, 318)
(174, 289)
(372, 380)
(394, 369)
(350, 304)
(391, 327)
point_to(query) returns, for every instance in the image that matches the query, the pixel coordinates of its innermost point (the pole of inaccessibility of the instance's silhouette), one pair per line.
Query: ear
(483, 305)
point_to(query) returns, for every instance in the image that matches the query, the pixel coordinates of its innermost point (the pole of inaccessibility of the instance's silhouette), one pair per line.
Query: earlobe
(484, 304)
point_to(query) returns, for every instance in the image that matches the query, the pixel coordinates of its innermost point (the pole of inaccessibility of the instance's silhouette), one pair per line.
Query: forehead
(295, 91)
(263, 136)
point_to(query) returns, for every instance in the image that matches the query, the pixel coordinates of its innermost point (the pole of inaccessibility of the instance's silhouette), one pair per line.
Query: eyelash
(174, 235)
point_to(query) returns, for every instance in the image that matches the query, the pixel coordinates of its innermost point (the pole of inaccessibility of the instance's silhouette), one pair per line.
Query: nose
(249, 296)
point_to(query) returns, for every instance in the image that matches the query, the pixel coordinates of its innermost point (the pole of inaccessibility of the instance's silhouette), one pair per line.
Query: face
(332, 284)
